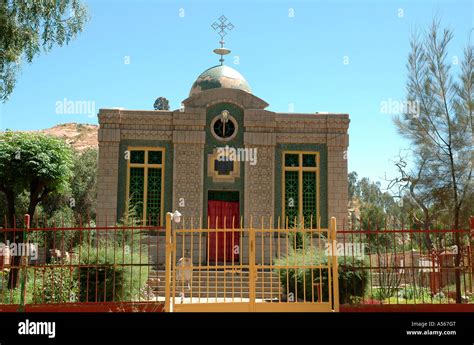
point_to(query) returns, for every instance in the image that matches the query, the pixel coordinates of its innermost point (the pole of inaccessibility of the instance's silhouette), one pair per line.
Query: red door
(223, 246)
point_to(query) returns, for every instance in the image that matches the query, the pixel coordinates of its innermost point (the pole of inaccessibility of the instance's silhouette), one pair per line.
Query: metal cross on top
(222, 27)
(221, 30)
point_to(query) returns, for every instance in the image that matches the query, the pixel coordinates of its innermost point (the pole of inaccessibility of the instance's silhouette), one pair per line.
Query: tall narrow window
(301, 188)
(145, 184)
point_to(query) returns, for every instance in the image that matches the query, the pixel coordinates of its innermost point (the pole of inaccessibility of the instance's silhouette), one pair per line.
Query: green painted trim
(122, 173)
(211, 143)
(323, 177)
(219, 195)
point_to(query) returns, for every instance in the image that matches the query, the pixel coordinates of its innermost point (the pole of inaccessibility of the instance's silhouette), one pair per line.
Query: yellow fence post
(252, 273)
(168, 267)
(335, 275)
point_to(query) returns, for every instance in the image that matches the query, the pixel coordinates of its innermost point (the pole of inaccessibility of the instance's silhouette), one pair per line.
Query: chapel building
(222, 154)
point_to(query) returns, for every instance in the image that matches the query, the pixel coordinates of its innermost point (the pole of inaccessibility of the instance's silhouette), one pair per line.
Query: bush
(53, 284)
(47, 284)
(84, 184)
(9, 296)
(113, 273)
(57, 239)
(413, 292)
(13, 296)
(382, 294)
(299, 239)
(352, 281)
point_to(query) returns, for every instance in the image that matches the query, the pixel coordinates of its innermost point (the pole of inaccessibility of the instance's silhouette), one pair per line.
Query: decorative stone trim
(234, 122)
(189, 137)
(145, 135)
(300, 138)
(109, 134)
(211, 172)
(259, 138)
(338, 123)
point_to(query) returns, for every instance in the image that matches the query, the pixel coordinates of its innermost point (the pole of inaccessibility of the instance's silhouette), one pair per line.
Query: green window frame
(145, 183)
(301, 188)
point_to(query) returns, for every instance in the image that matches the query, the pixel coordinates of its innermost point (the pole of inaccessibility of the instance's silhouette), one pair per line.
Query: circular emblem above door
(223, 126)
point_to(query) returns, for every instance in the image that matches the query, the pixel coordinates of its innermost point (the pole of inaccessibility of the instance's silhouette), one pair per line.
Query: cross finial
(222, 28)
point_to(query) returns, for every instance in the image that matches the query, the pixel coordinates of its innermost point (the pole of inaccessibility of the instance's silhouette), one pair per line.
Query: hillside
(79, 136)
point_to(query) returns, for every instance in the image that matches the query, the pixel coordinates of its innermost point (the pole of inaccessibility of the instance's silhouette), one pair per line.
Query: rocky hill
(79, 136)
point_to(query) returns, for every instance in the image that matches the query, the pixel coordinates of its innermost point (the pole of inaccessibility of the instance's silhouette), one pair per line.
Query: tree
(161, 103)
(84, 184)
(354, 189)
(82, 193)
(441, 130)
(39, 164)
(377, 209)
(30, 27)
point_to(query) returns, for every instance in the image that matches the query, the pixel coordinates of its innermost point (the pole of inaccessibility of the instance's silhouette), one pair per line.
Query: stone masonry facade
(185, 130)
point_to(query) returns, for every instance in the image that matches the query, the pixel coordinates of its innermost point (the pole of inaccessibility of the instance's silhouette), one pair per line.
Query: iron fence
(409, 266)
(111, 267)
(122, 267)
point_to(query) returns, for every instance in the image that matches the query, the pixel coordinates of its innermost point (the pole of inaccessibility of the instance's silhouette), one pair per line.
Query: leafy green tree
(39, 164)
(161, 103)
(440, 131)
(372, 217)
(377, 208)
(30, 27)
(81, 196)
(84, 184)
(354, 189)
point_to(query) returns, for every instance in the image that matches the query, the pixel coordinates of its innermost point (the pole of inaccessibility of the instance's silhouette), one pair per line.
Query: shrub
(298, 239)
(299, 281)
(112, 273)
(53, 284)
(48, 284)
(13, 296)
(352, 279)
(416, 293)
(382, 294)
(62, 240)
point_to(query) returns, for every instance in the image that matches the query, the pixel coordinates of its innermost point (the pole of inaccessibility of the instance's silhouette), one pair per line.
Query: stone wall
(188, 177)
(260, 178)
(329, 129)
(186, 132)
(107, 175)
(337, 179)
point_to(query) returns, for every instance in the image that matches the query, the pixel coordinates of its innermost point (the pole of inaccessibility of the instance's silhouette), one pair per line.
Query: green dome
(217, 77)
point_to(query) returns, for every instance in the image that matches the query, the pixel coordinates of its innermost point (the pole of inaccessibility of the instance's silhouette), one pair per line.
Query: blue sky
(334, 56)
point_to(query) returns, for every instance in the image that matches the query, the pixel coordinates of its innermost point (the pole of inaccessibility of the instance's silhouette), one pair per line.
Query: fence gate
(287, 268)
